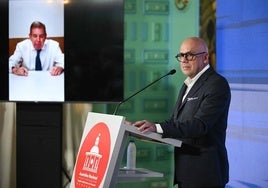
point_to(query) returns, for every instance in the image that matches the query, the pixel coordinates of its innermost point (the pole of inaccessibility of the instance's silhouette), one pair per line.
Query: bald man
(199, 119)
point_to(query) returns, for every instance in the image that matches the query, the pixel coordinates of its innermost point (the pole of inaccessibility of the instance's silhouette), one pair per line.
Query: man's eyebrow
(38, 34)
(189, 52)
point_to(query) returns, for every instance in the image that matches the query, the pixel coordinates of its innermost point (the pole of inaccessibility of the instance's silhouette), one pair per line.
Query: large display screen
(4, 50)
(94, 50)
(90, 37)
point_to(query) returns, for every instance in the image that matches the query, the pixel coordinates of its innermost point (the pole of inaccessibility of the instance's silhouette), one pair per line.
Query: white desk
(38, 86)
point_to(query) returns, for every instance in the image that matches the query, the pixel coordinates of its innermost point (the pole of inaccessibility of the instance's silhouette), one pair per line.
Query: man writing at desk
(37, 53)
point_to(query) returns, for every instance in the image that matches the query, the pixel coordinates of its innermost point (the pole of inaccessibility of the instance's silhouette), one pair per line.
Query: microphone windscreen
(173, 71)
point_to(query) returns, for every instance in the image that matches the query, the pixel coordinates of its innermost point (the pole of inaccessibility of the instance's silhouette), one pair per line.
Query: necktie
(38, 65)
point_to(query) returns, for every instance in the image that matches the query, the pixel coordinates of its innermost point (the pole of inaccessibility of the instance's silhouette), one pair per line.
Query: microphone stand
(173, 71)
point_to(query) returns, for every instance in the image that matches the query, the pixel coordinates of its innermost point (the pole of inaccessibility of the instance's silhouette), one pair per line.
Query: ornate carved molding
(181, 4)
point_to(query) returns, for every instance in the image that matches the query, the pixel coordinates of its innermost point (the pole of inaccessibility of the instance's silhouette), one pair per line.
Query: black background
(93, 32)
(4, 50)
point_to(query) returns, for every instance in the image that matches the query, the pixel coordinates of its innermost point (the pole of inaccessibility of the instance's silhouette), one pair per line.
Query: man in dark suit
(199, 120)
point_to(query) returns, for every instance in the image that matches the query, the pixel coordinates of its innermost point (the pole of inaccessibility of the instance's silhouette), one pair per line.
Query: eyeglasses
(189, 56)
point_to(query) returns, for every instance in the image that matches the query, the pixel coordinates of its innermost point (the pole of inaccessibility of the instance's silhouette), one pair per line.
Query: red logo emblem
(93, 157)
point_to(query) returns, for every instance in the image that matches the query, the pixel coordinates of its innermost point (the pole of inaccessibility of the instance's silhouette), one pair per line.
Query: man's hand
(145, 126)
(55, 71)
(21, 71)
(128, 122)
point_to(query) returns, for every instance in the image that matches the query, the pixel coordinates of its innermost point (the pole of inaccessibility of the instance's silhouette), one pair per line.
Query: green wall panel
(153, 32)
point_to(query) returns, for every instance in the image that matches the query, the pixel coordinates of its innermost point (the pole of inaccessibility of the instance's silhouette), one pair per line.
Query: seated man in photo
(37, 53)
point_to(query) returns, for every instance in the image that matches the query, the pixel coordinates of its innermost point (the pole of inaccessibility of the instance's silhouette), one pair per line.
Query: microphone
(173, 71)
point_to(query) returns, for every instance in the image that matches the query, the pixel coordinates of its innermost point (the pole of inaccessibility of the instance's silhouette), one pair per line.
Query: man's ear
(206, 58)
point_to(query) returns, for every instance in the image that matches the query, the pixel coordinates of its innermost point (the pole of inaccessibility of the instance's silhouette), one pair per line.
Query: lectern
(101, 151)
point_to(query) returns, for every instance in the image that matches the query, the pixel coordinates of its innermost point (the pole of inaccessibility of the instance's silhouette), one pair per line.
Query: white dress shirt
(189, 83)
(50, 55)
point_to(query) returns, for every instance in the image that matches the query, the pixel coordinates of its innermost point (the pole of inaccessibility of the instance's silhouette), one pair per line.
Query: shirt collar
(190, 81)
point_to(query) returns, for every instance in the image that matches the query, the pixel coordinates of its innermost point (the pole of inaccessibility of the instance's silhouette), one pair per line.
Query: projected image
(36, 61)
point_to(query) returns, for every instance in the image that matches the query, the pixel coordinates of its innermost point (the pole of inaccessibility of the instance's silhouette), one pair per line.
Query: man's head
(38, 34)
(193, 56)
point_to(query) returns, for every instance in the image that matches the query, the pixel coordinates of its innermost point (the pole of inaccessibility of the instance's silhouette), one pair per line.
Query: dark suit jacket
(200, 121)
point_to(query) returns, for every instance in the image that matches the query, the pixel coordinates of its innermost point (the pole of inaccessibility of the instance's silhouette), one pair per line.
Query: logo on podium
(93, 157)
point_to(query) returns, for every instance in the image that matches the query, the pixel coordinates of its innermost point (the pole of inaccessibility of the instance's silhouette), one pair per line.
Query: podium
(101, 151)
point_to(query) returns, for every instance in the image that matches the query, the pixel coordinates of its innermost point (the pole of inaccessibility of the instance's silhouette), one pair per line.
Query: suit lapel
(195, 87)
(182, 91)
(179, 100)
